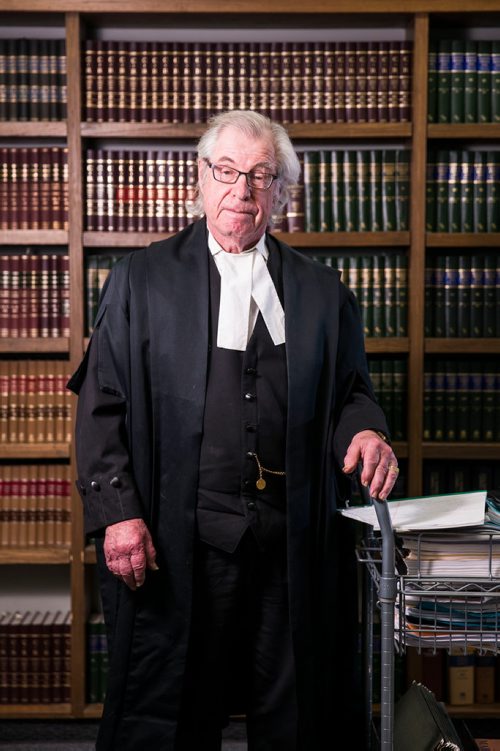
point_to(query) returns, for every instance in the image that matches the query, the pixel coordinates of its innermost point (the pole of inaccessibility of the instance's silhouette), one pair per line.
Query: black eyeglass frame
(237, 172)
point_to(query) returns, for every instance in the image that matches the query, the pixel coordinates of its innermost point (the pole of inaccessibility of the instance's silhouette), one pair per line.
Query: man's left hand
(380, 466)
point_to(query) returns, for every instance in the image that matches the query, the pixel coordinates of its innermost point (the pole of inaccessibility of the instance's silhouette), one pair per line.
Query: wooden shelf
(37, 129)
(463, 240)
(316, 240)
(33, 236)
(309, 131)
(34, 451)
(34, 711)
(468, 711)
(38, 345)
(481, 346)
(464, 130)
(457, 451)
(35, 555)
(386, 344)
(92, 711)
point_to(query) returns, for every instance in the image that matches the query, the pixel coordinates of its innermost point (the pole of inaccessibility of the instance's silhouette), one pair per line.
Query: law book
(463, 296)
(463, 402)
(476, 403)
(491, 266)
(438, 401)
(325, 219)
(483, 81)
(375, 190)
(492, 176)
(361, 74)
(405, 81)
(350, 82)
(442, 191)
(311, 191)
(363, 190)
(378, 295)
(432, 110)
(470, 81)
(383, 84)
(389, 190)
(457, 81)
(402, 197)
(401, 299)
(339, 78)
(389, 313)
(466, 191)
(4, 658)
(451, 296)
(479, 192)
(371, 82)
(338, 191)
(427, 666)
(394, 93)
(450, 403)
(366, 294)
(454, 191)
(461, 676)
(351, 201)
(444, 80)
(495, 81)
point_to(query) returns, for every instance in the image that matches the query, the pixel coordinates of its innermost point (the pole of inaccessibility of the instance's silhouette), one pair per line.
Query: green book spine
(451, 296)
(457, 98)
(402, 189)
(438, 419)
(430, 193)
(375, 368)
(429, 293)
(355, 281)
(389, 190)
(92, 291)
(366, 294)
(351, 204)
(466, 191)
(432, 83)
(488, 407)
(377, 219)
(451, 415)
(492, 191)
(439, 296)
(427, 405)
(470, 82)
(454, 191)
(401, 296)
(476, 403)
(399, 379)
(444, 80)
(442, 190)
(387, 391)
(463, 405)
(325, 191)
(338, 197)
(479, 191)
(476, 295)
(464, 296)
(363, 190)
(378, 295)
(311, 191)
(484, 82)
(495, 81)
(489, 295)
(389, 297)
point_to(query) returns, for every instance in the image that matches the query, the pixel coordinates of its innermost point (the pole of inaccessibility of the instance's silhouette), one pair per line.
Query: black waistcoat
(245, 414)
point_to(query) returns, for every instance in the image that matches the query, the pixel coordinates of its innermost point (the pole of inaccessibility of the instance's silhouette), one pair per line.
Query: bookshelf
(76, 20)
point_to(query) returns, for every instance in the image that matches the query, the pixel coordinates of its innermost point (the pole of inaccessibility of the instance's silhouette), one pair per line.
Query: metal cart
(433, 602)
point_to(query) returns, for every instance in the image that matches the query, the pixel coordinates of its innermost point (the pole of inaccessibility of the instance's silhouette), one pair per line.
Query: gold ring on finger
(393, 468)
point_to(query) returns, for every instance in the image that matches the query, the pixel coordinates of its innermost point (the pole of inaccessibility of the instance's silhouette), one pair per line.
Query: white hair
(253, 125)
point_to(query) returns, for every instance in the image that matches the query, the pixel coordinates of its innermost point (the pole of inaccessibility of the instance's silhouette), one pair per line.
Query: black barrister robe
(152, 346)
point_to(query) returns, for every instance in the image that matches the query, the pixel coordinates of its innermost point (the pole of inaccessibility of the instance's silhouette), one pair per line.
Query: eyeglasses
(255, 179)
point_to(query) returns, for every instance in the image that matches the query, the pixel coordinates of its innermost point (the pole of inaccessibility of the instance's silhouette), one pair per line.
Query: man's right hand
(129, 551)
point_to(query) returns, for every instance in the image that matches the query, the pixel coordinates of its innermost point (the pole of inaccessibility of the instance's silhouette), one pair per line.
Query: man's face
(237, 215)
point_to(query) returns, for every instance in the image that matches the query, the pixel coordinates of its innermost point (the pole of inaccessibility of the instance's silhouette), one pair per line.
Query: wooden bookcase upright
(76, 16)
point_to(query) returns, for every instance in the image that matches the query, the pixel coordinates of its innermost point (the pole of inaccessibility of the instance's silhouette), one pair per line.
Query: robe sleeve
(357, 408)
(105, 482)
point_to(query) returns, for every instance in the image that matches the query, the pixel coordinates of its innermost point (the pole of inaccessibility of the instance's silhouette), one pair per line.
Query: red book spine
(339, 82)
(34, 295)
(24, 192)
(44, 311)
(24, 270)
(44, 160)
(61, 320)
(5, 295)
(15, 281)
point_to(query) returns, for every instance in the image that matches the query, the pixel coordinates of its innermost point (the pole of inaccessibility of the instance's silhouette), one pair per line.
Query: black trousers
(240, 649)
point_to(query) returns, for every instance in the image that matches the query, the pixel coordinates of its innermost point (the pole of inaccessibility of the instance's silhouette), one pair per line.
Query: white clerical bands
(245, 278)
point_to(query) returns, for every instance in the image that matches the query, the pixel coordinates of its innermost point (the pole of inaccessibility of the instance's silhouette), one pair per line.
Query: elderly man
(223, 399)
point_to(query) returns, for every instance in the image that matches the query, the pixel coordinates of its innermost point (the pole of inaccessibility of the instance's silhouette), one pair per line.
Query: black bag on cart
(421, 723)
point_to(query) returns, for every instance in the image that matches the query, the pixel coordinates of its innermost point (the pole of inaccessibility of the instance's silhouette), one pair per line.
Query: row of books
(34, 295)
(459, 477)
(390, 383)
(32, 79)
(462, 296)
(34, 187)
(358, 190)
(293, 82)
(97, 658)
(341, 190)
(35, 505)
(463, 191)
(35, 655)
(380, 283)
(35, 405)
(464, 81)
(461, 401)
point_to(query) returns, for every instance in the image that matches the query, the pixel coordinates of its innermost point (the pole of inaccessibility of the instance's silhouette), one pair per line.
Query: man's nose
(240, 187)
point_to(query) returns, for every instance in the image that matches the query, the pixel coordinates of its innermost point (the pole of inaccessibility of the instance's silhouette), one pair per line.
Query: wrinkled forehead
(234, 146)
